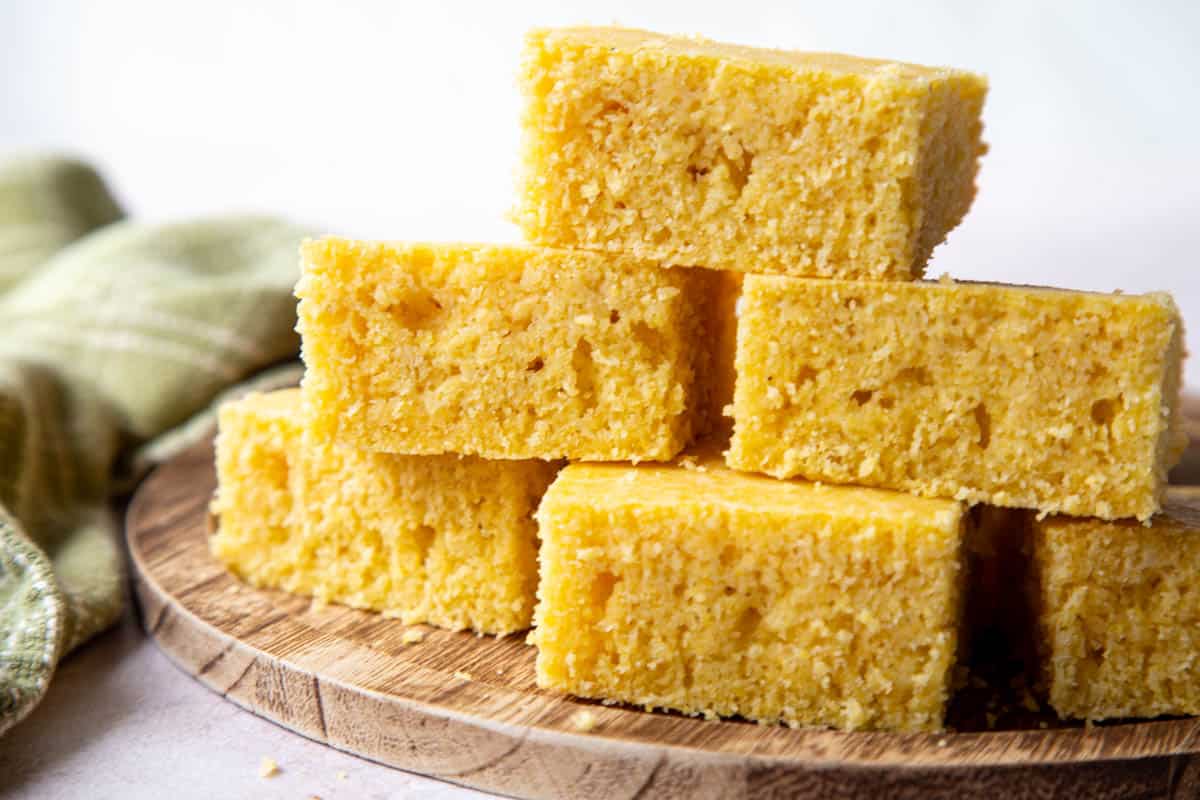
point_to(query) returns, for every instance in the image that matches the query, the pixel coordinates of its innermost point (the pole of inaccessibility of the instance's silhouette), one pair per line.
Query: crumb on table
(583, 721)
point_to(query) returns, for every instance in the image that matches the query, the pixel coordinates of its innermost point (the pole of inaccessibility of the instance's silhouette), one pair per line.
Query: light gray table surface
(122, 721)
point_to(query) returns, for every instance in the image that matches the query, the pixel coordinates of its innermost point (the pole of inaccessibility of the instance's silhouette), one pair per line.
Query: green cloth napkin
(114, 332)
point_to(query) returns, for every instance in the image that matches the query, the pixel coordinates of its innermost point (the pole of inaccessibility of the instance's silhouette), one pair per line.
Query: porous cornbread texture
(688, 586)
(754, 160)
(440, 539)
(1014, 396)
(259, 437)
(502, 351)
(1118, 609)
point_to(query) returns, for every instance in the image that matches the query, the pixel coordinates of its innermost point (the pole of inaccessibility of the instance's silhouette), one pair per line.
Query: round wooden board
(345, 678)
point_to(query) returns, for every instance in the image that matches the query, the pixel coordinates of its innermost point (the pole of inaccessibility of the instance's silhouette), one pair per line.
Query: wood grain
(344, 677)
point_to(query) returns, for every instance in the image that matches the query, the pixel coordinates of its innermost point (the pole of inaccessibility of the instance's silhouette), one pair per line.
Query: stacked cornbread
(723, 232)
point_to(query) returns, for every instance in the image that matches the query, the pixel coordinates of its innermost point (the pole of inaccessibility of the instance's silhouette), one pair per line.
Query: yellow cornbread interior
(737, 158)
(1118, 612)
(440, 539)
(259, 437)
(502, 351)
(1014, 396)
(691, 587)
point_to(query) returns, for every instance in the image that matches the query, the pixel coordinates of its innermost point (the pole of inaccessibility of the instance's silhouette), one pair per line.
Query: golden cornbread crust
(1118, 612)
(1065, 402)
(502, 351)
(690, 587)
(439, 539)
(744, 159)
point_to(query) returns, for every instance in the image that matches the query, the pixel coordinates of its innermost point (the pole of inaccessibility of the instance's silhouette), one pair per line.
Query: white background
(399, 120)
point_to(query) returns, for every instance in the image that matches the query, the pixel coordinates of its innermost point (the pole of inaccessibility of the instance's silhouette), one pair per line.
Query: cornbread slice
(709, 154)
(691, 587)
(1118, 608)
(1009, 395)
(258, 537)
(440, 539)
(502, 351)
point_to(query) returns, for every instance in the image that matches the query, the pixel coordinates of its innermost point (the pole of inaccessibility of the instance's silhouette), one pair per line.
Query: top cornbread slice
(744, 159)
(1014, 396)
(502, 351)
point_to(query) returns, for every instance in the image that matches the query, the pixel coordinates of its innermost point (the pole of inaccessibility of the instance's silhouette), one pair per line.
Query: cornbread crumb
(341, 776)
(583, 721)
(746, 159)
(718, 593)
(443, 540)
(462, 676)
(502, 351)
(267, 768)
(1015, 396)
(412, 637)
(1118, 614)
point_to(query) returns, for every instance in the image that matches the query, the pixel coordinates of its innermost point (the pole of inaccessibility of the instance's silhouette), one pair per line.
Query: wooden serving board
(345, 678)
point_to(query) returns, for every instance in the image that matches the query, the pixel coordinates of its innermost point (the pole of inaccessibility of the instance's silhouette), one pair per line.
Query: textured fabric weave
(113, 333)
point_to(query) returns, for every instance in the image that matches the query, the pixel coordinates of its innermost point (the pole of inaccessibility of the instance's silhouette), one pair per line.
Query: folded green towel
(113, 333)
